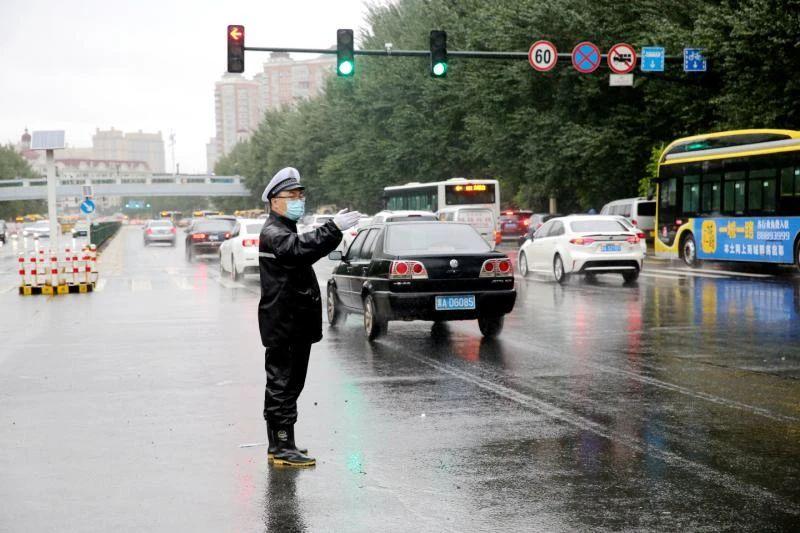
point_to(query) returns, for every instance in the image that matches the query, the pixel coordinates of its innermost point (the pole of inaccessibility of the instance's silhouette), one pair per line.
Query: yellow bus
(730, 196)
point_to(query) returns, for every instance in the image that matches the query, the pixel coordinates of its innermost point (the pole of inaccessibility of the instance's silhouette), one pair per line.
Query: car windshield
(160, 224)
(433, 239)
(253, 228)
(600, 226)
(213, 225)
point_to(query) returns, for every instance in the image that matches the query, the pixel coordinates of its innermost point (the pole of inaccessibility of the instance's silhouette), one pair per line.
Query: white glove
(346, 219)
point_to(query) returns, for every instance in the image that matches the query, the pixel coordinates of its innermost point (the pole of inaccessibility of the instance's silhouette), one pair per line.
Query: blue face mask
(295, 209)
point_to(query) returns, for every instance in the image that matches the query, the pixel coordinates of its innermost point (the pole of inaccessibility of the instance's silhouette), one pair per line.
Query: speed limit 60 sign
(543, 55)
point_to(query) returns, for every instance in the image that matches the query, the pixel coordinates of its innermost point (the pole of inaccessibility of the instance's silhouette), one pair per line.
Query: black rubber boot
(286, 454)
(272, 447)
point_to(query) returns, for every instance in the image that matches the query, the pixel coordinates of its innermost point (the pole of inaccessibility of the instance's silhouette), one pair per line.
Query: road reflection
(282, 509)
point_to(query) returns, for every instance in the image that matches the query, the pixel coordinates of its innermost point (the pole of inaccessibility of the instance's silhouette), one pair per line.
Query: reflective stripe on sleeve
(266, 254)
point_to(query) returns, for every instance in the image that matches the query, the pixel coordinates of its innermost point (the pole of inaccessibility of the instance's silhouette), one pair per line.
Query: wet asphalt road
(670, 405)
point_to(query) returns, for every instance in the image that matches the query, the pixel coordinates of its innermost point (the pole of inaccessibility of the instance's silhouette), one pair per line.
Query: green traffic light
(346, 68)
(439, 69)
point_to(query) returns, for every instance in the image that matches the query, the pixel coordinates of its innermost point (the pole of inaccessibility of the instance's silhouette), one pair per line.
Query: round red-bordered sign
(543, 55)
(621, 58)
(586, 57)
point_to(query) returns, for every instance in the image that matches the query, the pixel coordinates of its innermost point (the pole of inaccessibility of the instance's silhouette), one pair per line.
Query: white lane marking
(704, 472)
(727, 272)
(648, 274)
(690, 273)
(141, 285)
(182, 283)
(8, 289)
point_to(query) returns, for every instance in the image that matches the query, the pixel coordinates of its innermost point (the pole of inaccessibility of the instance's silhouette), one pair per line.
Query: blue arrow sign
(87, 206)
(694, 60)
(653, 59)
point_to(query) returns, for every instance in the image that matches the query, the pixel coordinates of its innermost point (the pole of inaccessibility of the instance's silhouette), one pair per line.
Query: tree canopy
(560, 133)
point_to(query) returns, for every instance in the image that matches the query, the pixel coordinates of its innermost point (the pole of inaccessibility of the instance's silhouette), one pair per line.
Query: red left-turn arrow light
(236, 32)
(236, 48)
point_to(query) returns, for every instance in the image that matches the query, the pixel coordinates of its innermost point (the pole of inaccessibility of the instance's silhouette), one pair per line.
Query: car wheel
(334, 307)
(689, 250)
(189, 255)
(522, 263)
(374, 324)
(234, 273)
(558, 269)
(491, 326)
(631, 276)
(221, 267)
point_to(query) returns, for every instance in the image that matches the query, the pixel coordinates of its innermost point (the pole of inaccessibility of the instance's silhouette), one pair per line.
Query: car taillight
(641, 235)
(498, 237)
(407, 270)
(633, 239)
(497, 268)
(526, 222)
(249, 242)
(227, 235)
(582, 241)
(635, 222)
(198, 236)
(149, 231)
(172, 229)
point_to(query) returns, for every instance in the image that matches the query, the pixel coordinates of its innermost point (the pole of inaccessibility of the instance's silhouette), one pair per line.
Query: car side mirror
(335, 255)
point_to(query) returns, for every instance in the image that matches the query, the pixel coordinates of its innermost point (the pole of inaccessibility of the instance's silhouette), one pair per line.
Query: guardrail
(102, 231)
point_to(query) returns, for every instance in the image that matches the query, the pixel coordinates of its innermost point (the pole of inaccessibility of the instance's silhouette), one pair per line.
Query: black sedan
(205, 236)
(435, 271)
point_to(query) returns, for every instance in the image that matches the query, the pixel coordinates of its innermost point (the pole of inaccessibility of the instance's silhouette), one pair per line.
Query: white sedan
(238, 255)
(588, 245)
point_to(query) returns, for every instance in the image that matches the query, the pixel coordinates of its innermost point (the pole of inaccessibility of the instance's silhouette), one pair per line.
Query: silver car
(159, 231)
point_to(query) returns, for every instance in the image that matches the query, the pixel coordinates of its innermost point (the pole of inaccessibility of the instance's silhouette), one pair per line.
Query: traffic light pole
(467, 54)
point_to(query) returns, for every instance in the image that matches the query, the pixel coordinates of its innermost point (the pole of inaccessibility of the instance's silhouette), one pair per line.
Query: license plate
(455, 303)
(511, 225)
(213, 238)
(611, 248)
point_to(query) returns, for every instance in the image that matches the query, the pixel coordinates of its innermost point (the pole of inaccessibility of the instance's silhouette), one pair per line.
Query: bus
(730, 196)
(438, 195)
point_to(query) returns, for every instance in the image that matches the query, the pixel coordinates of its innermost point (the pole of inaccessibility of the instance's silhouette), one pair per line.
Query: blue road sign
(693, 60)
(653, 59)
(87, 206)
(585, 57)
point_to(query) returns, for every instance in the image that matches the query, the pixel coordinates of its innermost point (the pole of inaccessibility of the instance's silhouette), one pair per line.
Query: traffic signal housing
(345, 58)
(438, 53)
(236, 48)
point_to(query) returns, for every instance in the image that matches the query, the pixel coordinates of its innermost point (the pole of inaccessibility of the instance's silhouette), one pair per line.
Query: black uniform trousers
(286, 368)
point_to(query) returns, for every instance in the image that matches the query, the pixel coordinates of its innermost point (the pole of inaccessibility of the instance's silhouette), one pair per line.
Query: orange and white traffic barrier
(22, 271)
(41, 268)
(93, 255)
(75, 273)
(54, 269)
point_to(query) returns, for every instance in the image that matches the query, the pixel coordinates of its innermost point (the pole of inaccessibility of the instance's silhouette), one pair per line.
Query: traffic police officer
(290, 309)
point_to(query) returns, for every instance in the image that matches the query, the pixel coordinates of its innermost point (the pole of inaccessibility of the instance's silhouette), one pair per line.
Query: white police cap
(287, 179)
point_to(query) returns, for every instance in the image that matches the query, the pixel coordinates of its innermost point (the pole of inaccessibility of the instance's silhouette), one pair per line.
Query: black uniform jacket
(290, 310)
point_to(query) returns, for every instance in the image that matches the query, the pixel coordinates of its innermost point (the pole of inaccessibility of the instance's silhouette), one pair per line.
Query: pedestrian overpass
(142, 186)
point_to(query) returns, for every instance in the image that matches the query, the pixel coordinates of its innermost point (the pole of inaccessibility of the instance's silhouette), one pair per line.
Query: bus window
(691, 193)
(761, 195)
(734, 192)
(711, 193)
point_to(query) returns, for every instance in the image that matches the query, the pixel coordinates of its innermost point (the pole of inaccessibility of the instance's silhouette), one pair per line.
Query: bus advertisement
(730, 196)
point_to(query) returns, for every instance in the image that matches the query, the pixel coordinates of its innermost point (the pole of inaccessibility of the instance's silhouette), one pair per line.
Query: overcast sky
(141, 64)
